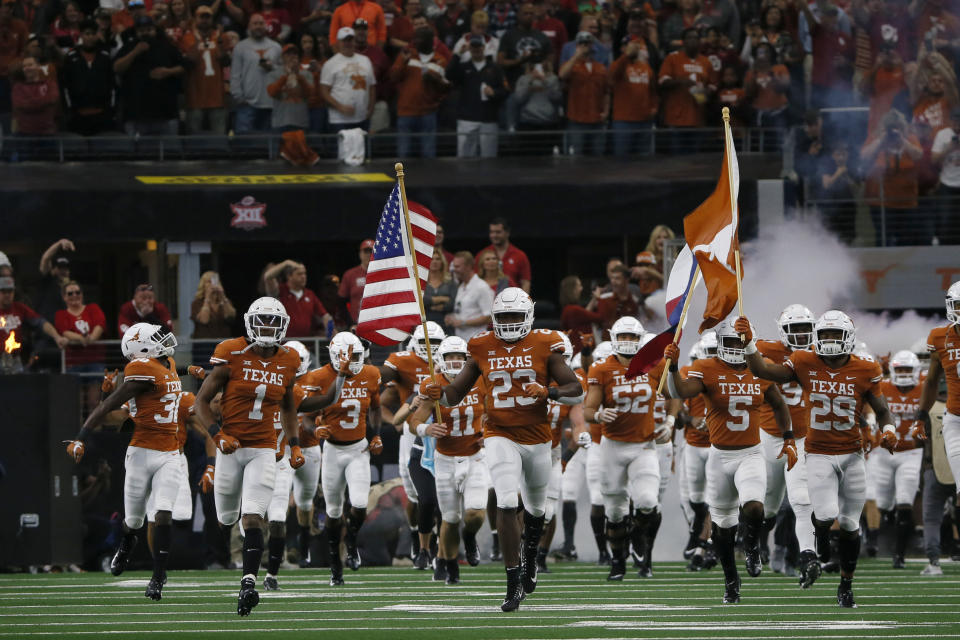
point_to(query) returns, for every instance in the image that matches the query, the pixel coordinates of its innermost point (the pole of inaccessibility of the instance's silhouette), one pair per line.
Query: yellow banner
(292, 178)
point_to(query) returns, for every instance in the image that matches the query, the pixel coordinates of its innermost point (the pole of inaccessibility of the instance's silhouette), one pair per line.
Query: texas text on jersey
(251, 376)
(836, 400)
(347, 418)
(505, 369)
(155, 413)
(465, 422)
(633, 398)
(946, 343)
(793, 394)
(733, 400)
(903, 406)
(697, 408)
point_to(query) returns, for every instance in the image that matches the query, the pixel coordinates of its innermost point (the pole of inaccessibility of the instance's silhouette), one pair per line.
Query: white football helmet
(796, 326)
(434, 332)
(576, 362)
(619, 332)
(145, 340)
(451, 345)
(694, 352)
(266, 321)
(602, 351)
(707, 345)
(512, 300)
(834, 320)
(340, 344)
(919, 349)
(567, 348)
(863, 351)
(303, 352)
(730, 347)
(905, 369)
(953, 303)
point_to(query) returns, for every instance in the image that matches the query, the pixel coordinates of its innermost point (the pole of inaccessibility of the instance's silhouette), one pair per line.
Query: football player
(345, 426)
(896, 473)
(631, 468)
(256, 375)
(795, 325)
(695, 452)
(401, 373)
(461, 474)
(736, 476)
(943, 343)
(517, 365)
(838, 385)
(152, 389)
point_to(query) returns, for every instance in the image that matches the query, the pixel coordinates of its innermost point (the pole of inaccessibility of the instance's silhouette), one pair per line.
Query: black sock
(905, 530)
(161, 549)
(652, 528)
(723, 542)
(599, 531)
(415, 539)
(225, 534)
(765, 529)
(354, 522)
(334, 527)
(128, 539)
(303, 542)
(617, 534)
(821, 529)
(252, 550)
(275, 554)
(849, 551)
(700, 512)
(532, 530)
(569, 516)
(453, 569)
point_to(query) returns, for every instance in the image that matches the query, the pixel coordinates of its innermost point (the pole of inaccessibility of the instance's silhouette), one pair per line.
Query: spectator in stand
(490, 272)
(520, 45)
(539, 98)
(440, 291)
(479, 23)
(773, 30)
(687, 16)
(83, 326)
(230, 16)
(143, 308)
(503, 17)
(724, 15)
(351, 11)
(888, 21)
(599, 51)
(381, 67)
(767, 87)
(656, 243)
(731, 94)
(212, 311)
(634, 97)
(937, 93)
(886, 86)
(419, 74)
(291, 88)
(400, 33)
(686, 80)
(253, 59)
(838, 190)
(646, 274)
(181, 21)
(277, 19)
(312, 59)
(108, 39)
(17, 318)
(482, 88)
(66, 28)
(316, 21)
(550, 26)
(206, 108)
(438, 244)
(474, 301)
(889, 160)
(348, 85)
(55, 272)
(307, 315)
(936, 24)
(150, 67)
(809, 150)
(832, 74)
(575, 319)
(588, 100)
(354, 279)
(619, 301)
(513, 261)
(87, 83)
(946, 157)
(122, 22)
(453, 22)
(35, 100)
(13, 40)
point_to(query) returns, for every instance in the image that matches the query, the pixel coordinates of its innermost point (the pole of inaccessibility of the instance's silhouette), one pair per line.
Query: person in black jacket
(482, 88)
(87, 84)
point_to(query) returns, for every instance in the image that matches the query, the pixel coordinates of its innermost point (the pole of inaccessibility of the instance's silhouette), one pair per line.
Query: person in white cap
(351, 102)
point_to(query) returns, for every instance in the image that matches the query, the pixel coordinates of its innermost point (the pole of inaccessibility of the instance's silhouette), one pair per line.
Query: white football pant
(631, 471)
(838, 487)
(463, 484)
(523, 468)
(406, 442)
(149, 472)
(665, 456)
(553, 487)
(280, 500)
(342, 467)
(951, 441)
(734, 478)
(307, 478)
(183, 505)
(695, 469)
(896, 477)
(793, 482)
(243, 478)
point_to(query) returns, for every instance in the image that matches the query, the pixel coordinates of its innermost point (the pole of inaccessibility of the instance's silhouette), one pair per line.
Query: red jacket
(35, 105)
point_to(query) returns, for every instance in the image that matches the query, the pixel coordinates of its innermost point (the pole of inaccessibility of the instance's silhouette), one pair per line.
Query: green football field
(573, 601)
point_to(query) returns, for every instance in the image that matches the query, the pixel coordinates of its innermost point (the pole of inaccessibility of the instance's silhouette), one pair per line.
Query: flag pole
(683, 317)
(416, 281)
(727, 137)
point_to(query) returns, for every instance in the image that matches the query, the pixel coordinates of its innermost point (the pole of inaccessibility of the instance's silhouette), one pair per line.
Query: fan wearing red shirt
(14, 316)
(143, 308)
(82, 324)
(353, 281)
(308, 317)
(513, 261)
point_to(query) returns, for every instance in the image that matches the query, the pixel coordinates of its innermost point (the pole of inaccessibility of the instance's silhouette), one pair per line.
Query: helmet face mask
(796, 327)
(730, 347)
(340, 345)
(953, 303)
(834, 334)
(451, 355)
(512, 314)
(905, 369)
(145, 340)
(419, 342)
(266, 322)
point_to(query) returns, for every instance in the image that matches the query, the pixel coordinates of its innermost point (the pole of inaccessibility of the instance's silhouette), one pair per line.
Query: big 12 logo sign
(248, 214)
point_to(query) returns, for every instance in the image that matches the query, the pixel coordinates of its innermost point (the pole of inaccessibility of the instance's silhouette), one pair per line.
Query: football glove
(742, 326)
(226, 443)
(889, 438)
(918, 432)
(206, 482)
(109, 380)
(376, 445)
(432, 390)
(672, 352)
(789, 449)
(75, 450)
(197, 371)
(584, 440)
(296, 457)
(322, 432)
(536, 391)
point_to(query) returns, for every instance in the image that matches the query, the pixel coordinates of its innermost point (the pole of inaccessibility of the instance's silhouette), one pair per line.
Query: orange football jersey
(411, 371)
(558, 412)
(793, 394)
(347, 418)
(836, 400)
(465, 425)
(697, 408)
(505, 368)
(904, 407)
(280, 443)
(254, 391)
(633, 398)
(733, 400)
(187, 400)
(946, 342)
(310, 385)
(155, 413)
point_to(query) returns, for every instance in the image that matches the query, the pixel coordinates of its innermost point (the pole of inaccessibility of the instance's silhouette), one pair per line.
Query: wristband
(889, 428)
(211, 461)
(213, 429)
(751, 348)
(293, 442)
(422, 430)
(596, 413)
(84, 432)
(553, 393)
(788, 434)
(674, 367)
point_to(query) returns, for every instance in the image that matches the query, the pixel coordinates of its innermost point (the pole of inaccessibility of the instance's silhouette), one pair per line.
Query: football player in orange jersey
(631, 467)
(736, 475)
(460, 471)
(345, 426)
(838, 385)
(256, 375)
(943, 343)
(517, 365)
(152, 388)
(795, 325)
(400, 375)
(897, 473)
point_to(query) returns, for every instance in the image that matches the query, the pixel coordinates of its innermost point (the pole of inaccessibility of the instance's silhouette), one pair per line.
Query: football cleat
(336, 576)
(845, 594)
(898, 562)
(422, 561)
(542, 560)
(118, 563)
(618, 568)
(515, 595)
(471, 549)
(697, 560)
(453, 573)
(753, 561)
(731, 592)
(248, 598)
(932, 570)
(439, 570)
(353, 559)
(154, 588)
(528, 574)
(809, 569)
(645, 571)
(270, 583)
(568, 552)
(603, 559)
(693, 543)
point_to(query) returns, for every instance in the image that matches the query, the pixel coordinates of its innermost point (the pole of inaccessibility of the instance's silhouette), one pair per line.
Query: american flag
(389, 309)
